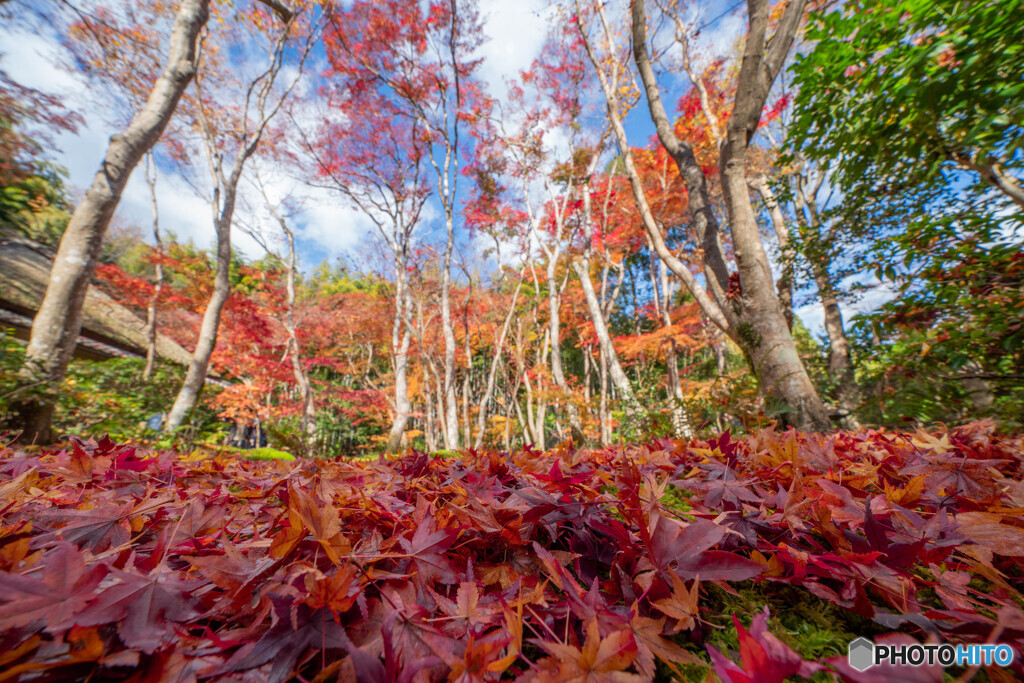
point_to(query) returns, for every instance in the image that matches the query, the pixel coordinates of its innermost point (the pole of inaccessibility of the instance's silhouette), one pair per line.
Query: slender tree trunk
(400, 341)
(554, 323)
(606, 418)
(442, 426)
(59, 320)
(540, 428)
(618, 377)
(467, 428)
(308, 422)
(581, 265)
(680, 419)
(158, 278)
(817, 252)
(225, 195)
(508, 424)
(451, 431)
(195, 377)
(586, 375)
(785, 283)
(481, 425)
(428, 414)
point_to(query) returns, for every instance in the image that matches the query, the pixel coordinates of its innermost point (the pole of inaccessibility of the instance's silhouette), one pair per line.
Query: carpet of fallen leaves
(565, 565)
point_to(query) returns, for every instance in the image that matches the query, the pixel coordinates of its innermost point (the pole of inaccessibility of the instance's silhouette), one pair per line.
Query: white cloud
(517, 31)
(34, 61)
(813, 315)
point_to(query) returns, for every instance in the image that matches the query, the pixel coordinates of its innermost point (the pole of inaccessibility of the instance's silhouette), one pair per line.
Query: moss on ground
(266, 454)
(813, 627)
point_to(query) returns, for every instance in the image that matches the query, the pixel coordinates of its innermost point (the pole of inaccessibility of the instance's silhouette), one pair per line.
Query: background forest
(622, 241)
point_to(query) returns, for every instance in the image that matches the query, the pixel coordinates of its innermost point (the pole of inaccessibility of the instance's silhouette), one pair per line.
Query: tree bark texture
(59, 320)
(743, 304)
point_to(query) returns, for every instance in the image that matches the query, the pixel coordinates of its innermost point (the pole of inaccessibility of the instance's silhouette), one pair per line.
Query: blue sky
(326, 227)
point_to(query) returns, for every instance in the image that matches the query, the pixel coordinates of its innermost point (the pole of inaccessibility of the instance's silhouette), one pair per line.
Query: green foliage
(110, 397)
(951, 346)
(334, 432)
(37, 206)
(12, 355)
(907, 102)
(105, 397)
(815, 628)
(330, 279)
(897, 90)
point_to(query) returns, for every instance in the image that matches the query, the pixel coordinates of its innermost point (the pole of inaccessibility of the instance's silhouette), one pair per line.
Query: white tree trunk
(158, 277)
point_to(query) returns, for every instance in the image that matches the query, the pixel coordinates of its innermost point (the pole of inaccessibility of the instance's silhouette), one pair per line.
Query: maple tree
(416, 63)
(240, 129)
(385, 181)
(741, 303)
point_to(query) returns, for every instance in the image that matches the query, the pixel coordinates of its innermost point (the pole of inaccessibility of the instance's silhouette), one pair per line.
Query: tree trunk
(785, 283)
(307, 424)
(817, 252)
(195, 378)
(743, 304)
(442, 425)
(606, 418)
(763, 332)
(481, 424)
(597, 314)
(618, 377)
(308, 421)
(680, 418)
(400, 341)
(158, 278)
(59, 320)
(429, 433)
(451, 430)
(554, 324)
(586, 375)
(467, 427)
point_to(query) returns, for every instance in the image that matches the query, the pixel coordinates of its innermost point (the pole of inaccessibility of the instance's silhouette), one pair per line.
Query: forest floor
(758, 559)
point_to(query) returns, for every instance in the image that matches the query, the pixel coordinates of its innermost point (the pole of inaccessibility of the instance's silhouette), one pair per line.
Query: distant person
(246, 434)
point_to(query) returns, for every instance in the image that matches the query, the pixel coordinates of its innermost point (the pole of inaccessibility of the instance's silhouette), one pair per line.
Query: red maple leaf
(765, 658)
(143, 607)
(62, 593)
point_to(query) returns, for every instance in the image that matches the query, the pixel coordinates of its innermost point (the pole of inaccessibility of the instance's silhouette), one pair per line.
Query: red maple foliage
(564, 565)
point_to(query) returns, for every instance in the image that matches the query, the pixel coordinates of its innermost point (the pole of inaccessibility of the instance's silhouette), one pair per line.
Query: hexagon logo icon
(861, 654)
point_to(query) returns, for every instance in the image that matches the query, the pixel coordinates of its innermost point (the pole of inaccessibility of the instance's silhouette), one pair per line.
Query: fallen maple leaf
(681, 605)
(143, 607)
(600, 660)
(62, 593)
